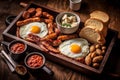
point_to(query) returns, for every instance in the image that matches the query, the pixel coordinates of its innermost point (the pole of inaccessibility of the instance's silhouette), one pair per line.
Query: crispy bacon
(49, 47)
(56, 42)
(33, 38)
(43, 47)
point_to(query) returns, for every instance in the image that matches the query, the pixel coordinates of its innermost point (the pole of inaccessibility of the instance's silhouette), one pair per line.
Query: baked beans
(17, 48)
(35, 61)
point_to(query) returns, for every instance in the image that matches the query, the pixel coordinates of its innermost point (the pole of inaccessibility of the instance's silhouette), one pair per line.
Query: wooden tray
(112, 68)
(10, 34)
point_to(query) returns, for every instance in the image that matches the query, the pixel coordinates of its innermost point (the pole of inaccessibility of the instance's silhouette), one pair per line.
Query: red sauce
(17, 48)
(35, 61)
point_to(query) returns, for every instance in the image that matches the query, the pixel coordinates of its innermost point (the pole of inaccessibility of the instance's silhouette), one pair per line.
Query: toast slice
(100, 16)
(92, 36)
(97, 25)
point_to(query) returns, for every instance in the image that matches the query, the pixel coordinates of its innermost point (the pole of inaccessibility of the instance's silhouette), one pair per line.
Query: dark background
(112, 7)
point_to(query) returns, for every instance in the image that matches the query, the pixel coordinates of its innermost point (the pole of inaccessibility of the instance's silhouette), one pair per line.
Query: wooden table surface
(12, 7)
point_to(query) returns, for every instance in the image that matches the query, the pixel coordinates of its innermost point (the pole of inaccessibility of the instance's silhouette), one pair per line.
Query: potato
(103, 47)
(89, 54)
(88, 60)
(97, 46)
(97, 59)
(92, 48)
(103, 52)
(98, 52)
(96, 65)
(93, 54)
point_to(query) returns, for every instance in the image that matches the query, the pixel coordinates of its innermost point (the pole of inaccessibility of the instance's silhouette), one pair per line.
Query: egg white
(25, 30)
(64, 47)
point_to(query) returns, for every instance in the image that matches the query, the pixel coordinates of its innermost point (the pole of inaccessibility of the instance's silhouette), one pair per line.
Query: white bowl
(66, 30)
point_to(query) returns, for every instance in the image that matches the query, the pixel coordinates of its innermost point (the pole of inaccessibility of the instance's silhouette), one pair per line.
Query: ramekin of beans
(17, 49)
(36, 61)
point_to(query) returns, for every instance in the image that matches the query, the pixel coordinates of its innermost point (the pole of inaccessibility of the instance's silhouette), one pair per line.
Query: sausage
(31, 11)
(50, 36)
(50, 28)
(38, 12)
(66, 37)
(57, 31)
(26, 14)
(48, 20)
(38, 9)
(47, 15)
(26, 21)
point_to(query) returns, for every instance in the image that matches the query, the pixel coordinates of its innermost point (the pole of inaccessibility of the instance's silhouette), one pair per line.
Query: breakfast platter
(61, 39)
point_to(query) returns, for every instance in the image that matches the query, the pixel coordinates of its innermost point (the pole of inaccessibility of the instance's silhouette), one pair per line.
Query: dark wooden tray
(10, 34)
(112, 67)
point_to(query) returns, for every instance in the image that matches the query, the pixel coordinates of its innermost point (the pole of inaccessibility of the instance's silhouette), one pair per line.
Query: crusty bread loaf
(91, 35)
(95, 29)
(97, 25)
(100, 16)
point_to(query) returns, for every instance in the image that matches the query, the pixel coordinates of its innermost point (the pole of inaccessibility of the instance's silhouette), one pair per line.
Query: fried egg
(37, 28)
(75, 48)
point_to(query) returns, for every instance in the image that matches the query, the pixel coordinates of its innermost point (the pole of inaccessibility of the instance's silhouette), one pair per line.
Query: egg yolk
(35, 29)
(75, 48)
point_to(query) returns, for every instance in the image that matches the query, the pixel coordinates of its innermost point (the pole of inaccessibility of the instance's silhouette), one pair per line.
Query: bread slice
(102, 40)
(97, 25)
(100, 16)
(91, 35)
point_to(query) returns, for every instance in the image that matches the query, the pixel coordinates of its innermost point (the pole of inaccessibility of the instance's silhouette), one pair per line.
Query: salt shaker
(75, 4)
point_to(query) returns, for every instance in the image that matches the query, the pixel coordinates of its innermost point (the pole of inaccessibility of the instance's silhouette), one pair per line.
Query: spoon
(20, 69)
(9, 65)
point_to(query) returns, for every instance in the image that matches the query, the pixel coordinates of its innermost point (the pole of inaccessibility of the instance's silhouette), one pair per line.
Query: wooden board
(10, 34)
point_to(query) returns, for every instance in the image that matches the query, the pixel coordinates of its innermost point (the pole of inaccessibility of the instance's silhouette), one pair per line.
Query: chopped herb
(66, 25)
